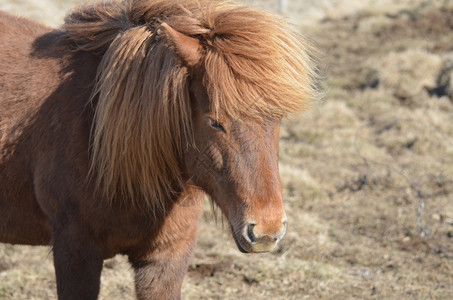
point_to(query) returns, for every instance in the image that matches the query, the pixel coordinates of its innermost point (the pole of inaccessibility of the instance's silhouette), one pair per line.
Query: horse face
(236, 163)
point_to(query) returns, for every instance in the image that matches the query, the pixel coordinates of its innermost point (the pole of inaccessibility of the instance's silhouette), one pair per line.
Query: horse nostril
(250, 234)
(285, 226)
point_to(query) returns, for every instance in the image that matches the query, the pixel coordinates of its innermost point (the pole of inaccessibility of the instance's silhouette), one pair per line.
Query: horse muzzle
(253, 239)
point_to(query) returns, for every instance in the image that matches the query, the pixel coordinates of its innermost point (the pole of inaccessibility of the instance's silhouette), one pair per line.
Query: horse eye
(216, 125)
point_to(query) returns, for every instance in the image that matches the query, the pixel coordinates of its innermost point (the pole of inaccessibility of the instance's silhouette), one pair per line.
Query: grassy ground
(367, 174)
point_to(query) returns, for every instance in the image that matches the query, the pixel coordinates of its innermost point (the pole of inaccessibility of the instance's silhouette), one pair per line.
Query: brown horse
(114, 127)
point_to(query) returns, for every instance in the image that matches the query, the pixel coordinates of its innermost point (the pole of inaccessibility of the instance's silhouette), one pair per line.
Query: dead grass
(367, 174)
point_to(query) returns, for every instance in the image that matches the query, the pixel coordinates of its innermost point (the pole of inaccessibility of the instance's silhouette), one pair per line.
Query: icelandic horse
(114, 128)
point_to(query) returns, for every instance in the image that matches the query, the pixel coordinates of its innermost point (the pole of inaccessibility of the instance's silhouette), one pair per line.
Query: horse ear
(188, 48)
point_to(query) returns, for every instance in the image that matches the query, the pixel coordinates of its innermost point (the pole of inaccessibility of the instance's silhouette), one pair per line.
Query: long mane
(255, 67)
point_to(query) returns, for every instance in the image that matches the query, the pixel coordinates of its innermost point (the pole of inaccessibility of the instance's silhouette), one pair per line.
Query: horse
(115, 127)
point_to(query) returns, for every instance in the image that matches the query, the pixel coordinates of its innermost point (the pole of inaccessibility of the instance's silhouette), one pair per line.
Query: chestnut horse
(115, 127)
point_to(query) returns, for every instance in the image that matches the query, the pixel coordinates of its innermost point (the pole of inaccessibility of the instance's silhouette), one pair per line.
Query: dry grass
(368, 177)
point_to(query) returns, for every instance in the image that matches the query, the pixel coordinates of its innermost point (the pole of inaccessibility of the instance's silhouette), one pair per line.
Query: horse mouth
(252, 246)
(239, 244)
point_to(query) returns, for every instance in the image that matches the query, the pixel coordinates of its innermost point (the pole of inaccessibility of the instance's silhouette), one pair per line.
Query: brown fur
(264, 69)
(114, 127)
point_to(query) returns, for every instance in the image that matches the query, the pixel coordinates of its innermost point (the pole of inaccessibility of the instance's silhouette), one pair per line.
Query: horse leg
(160, 272)
(160, 279)
(78, 264)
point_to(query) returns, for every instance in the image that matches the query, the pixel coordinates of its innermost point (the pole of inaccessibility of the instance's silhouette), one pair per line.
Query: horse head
(234, 159)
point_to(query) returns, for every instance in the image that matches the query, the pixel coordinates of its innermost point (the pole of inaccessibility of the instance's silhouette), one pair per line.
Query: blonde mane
(255, 67)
